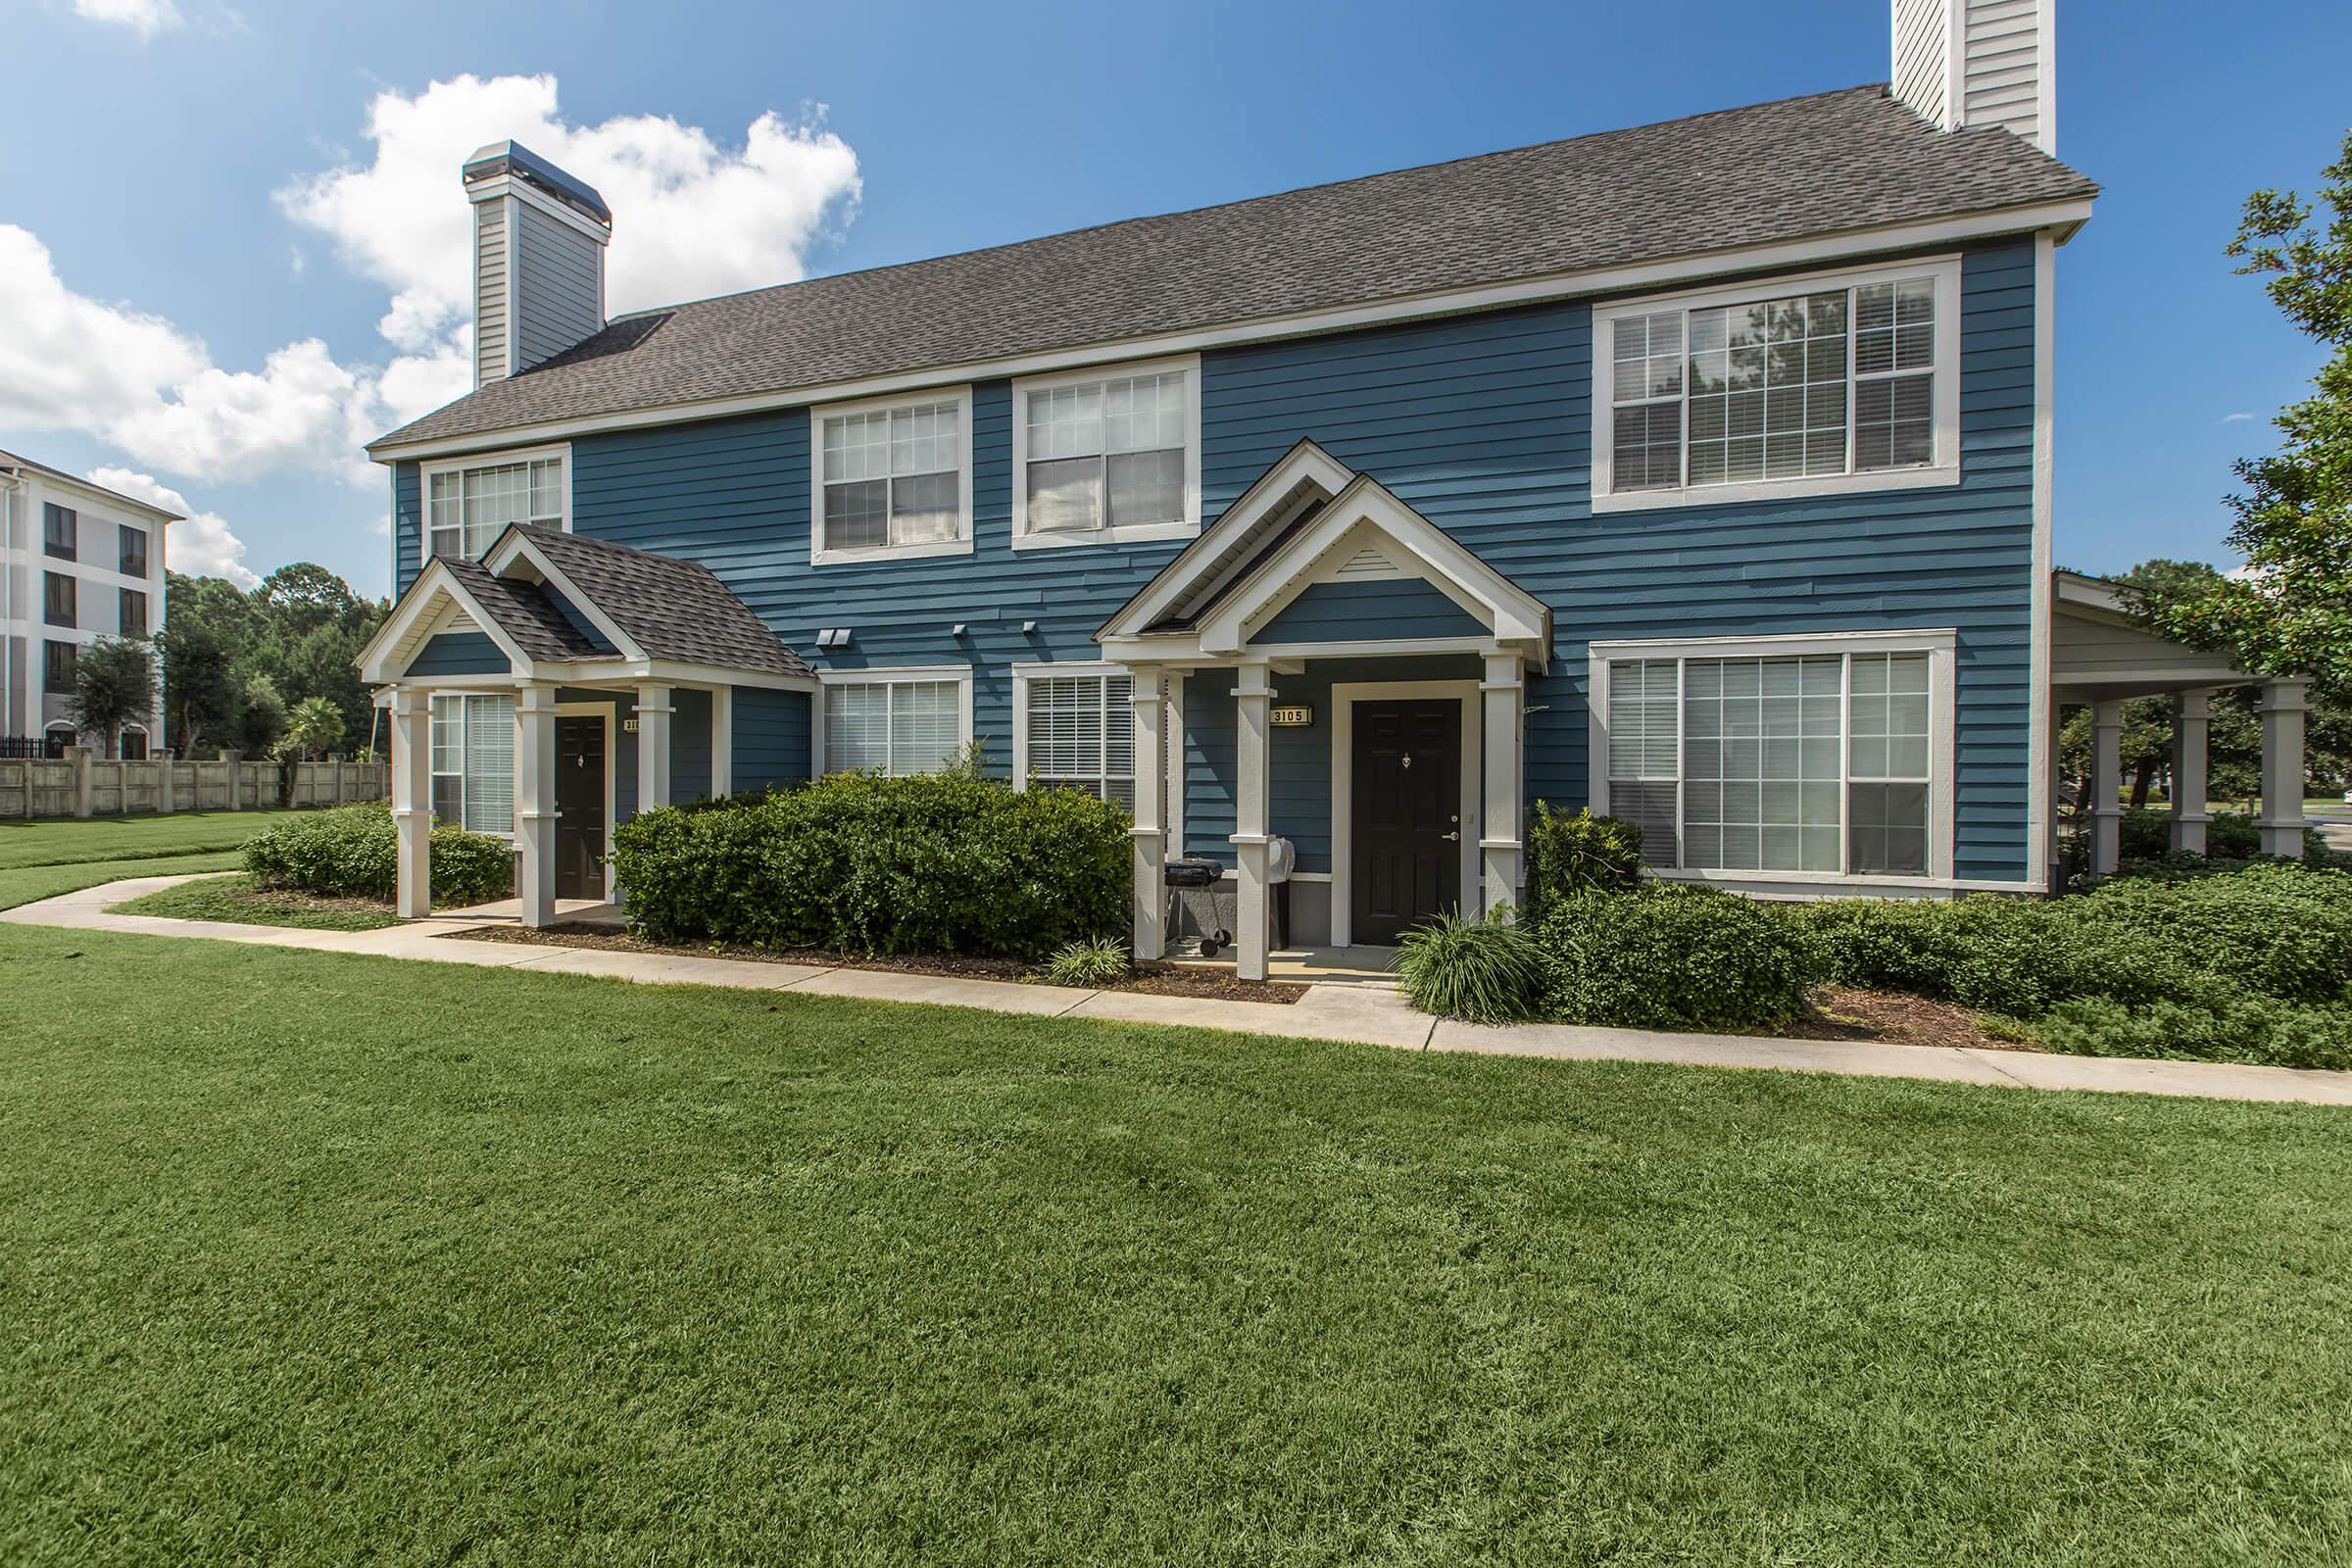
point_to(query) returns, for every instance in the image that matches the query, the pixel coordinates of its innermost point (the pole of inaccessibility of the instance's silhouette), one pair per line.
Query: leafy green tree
(313, 727)
(199, 689)
(114, 685)
(261, 716)
(2291, 613)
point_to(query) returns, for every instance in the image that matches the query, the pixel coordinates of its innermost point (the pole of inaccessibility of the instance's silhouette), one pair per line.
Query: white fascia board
(2061, 218)
(522, 191)
(433, 591)
(512, 545)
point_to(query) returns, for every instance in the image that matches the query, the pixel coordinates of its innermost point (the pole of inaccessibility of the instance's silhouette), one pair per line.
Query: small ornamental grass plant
(1087, 962)
(1487, 970)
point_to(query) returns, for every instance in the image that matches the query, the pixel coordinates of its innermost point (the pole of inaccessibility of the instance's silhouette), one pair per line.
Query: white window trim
(961, 544)
(459, 694)
(483, 459)
(1188, 527)
(1172, 749)
(882, 675)
(1940, 644)
(1943, 470)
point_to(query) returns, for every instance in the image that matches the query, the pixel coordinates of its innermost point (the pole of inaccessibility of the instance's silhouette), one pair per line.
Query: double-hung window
(473, 762)
(1846, 382)
(60, 531)
(60, 598)
(894, 479)
(468, 506)
(897, 724)
(57, 665)
(1813, 760)
(131, 553)
(130, 609)
(1107, 457)
(1077, 731)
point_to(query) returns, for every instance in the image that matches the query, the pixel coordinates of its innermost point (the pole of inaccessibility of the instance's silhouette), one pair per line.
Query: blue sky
(227, 264)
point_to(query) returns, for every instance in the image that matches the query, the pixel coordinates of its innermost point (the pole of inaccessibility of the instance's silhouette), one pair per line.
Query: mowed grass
(71, 841)
(33, 883)
(243, 897)
(322, 1259)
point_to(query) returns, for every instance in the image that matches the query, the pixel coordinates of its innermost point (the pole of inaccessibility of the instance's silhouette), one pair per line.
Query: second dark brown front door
(1405, 862)
(580, 807)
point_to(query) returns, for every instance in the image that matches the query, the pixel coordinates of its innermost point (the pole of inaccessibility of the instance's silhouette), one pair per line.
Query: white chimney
(539, 238)
(1963, 63)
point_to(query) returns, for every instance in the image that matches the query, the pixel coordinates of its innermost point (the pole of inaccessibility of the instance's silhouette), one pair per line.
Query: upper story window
(61, 531)
(1107, 457)
(58, 662)
(131, 556)
(1813, 758)
(897, 722)
(1848, 383)
(893, 479)
(131, 609)
(60, 601)
(467, 506)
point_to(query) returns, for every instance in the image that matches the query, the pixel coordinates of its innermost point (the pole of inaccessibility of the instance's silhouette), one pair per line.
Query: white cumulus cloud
(200, 544)
(146, 18)
(691, 217)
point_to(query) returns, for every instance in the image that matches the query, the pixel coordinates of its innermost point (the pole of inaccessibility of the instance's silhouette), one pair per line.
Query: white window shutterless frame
(891, 477)
(1074, 728)
(1824, 758)
(1109, 455)
(468, 502)
(898, 720)
(1824, 383)
(473, 762)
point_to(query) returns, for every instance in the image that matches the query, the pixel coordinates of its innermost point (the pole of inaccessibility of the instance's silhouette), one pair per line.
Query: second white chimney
(1961, 63)
(539, 238)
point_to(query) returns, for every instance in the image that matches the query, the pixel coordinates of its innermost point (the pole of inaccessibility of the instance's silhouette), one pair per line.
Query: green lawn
(30, 884)
(317, 1258)
(242, 898)
(126, 838)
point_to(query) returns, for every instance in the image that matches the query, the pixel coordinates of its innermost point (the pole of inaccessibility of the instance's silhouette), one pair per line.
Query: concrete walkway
(1368, 1014)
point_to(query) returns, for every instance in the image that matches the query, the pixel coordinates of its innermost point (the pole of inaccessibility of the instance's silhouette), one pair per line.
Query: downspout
(14, 479)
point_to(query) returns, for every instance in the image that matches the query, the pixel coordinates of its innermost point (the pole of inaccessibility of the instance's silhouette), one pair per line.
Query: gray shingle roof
(524, 612)
(672, 609)
(1739, 177)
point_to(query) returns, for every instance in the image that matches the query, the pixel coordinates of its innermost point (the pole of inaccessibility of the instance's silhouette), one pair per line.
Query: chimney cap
(515, 159)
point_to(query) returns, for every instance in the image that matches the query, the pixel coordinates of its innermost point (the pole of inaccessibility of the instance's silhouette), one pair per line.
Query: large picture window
(1783, 390)
(1108, 458)
(893, 479)
(1078, 732)
(1810, 763)
(469, 508)
(473, 762)
(897, 725)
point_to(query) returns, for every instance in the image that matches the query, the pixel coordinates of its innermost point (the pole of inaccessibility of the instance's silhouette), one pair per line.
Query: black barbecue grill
(1198, 892)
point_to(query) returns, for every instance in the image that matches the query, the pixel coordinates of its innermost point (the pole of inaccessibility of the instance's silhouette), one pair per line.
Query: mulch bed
(1157, 979)
(1895, 1019)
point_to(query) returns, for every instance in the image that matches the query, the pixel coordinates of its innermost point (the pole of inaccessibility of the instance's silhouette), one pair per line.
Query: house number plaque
(1298, 714)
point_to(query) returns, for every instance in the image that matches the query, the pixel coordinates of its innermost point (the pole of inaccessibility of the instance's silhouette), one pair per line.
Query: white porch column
(653, 747)
(1150, 831)
(2282, 819)
(535, 802)
(2106, 787)
(2192, 723)
(413, 802)
(1501, 823)
(1253, 699)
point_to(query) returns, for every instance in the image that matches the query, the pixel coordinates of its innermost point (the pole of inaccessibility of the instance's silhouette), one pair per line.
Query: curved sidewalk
(1362, 1014)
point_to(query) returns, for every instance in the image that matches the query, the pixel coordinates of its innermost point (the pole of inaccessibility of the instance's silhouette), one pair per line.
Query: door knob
(1449, 837)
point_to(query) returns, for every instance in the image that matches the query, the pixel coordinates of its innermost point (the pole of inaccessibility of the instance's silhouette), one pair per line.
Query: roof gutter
(2062, 220)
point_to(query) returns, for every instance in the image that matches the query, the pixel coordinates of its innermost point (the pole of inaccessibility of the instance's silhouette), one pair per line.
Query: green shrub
(2275, 927)
(1578, 854)
(1089, 962)
(352, 852)
(2232, 839)
(1664, 956)
(1489, 970)
(2243, 1028)
(943, 864)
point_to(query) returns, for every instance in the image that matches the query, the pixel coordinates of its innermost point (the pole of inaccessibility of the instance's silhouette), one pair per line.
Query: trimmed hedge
(352, 852)
(1664, 956)
(856, 863)
(1584, 853)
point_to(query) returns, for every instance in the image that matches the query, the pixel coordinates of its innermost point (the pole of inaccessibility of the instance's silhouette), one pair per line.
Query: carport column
(653, 747)
(1500, 825)
(2282, 819)
(1253, 699)
(2106, 787)
(2192, 722)
(412, 801)
(535, 802)
(1149, 833)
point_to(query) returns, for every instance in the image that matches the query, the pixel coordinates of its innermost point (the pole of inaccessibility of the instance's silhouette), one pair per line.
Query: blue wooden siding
(408, 526)
(771, 739)
(460, 652)
(689, 745)
(579, 622)
(1400, 610)
(1483, 423)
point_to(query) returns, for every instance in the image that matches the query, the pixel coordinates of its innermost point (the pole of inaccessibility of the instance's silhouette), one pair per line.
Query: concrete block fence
(83, 785)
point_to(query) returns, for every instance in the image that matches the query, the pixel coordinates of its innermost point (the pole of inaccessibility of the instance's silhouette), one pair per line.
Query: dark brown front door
(1406, 863)
(580, 807)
